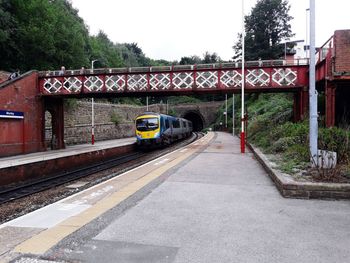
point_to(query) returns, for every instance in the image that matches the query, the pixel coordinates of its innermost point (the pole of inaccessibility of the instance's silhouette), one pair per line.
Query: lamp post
(312, 90)
(307, 47)
(92, 110)
(233, 114)
(242, 84)
(225, 111)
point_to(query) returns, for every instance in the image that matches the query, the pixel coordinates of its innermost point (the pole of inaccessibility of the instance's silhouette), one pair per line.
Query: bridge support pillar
(330, 104)
(301, 104)
(55, 107)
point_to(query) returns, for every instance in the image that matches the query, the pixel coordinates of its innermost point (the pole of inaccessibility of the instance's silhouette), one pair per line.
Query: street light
(92, 64)
(306, 46)
(92, 110)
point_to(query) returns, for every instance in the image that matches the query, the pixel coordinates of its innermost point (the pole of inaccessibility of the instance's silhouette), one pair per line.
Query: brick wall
(21, 136)
(342, 51)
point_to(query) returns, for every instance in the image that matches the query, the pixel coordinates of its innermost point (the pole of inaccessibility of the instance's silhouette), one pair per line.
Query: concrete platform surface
(204, 203)
(68, 151)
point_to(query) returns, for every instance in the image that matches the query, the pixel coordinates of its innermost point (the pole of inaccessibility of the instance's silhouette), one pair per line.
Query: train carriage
(160, 129)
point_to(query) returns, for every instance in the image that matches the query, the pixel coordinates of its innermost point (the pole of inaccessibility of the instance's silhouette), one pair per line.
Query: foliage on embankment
(270, 128)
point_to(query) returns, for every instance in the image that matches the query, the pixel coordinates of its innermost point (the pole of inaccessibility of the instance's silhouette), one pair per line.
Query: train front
(148, 129)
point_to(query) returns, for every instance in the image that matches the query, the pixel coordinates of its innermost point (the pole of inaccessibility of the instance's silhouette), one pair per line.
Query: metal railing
(174, 68)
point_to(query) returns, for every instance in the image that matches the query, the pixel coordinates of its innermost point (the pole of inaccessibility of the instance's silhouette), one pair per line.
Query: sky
(173, 29)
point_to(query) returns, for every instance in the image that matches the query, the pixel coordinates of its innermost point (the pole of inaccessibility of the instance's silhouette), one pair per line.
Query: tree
(210, 58)
(190, 60)
(42, 34)
(7, 30)
(105, 51)
(266, 27)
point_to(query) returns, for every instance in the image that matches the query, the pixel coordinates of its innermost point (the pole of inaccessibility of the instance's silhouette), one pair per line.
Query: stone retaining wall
(77, 121)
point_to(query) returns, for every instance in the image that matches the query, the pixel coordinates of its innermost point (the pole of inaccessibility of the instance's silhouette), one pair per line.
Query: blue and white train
(160, 129)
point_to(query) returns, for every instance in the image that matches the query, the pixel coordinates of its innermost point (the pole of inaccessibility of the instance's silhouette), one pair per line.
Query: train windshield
(147, 124)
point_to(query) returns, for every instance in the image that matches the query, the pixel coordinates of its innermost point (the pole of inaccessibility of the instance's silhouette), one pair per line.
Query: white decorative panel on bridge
(115, 83)
(137, 82)
(258, 77)
(183, 80)
(284, 76)
(52, 85)
(207, 79)
(72, 84)
(160, 81)
(230, 78)
(93, 83)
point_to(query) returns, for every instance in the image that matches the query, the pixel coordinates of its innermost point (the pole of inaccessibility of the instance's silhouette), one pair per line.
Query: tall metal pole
(225, 110)
(307, 47)
(242, 86)
(312, 90)
(92, 110)
(92, 122)
(233, 114)
(147, 103)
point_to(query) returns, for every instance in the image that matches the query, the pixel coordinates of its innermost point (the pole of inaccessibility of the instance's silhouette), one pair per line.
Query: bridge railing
(179, 78)
(327, 49)
(248, 64)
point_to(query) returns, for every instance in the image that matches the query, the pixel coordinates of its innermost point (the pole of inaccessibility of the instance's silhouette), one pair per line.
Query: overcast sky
(172, 29)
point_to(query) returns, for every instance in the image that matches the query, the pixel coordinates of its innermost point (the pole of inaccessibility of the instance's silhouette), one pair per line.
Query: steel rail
(35, 186)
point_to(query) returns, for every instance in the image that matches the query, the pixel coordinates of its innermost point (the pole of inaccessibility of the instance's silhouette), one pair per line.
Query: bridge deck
(262, 75)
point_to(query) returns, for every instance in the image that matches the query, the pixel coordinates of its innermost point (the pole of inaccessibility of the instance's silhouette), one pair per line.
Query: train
(159, 129)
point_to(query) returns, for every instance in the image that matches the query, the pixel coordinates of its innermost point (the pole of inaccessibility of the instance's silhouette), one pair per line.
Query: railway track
(28, 188)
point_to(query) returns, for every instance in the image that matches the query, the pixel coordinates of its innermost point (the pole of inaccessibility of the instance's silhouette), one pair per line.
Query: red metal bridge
(275, 75)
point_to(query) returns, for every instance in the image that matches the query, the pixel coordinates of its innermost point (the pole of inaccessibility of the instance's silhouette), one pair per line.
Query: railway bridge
(25, 100)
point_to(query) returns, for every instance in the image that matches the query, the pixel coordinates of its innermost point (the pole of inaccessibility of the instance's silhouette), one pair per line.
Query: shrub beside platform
(291, 188)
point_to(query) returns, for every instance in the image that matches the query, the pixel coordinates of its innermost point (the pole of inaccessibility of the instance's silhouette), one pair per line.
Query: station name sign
(11, 114)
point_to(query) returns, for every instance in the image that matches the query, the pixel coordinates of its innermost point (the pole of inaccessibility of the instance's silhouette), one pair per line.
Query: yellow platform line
(46, 239)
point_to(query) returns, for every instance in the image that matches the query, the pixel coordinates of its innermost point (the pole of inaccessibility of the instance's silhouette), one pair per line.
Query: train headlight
(156, 135)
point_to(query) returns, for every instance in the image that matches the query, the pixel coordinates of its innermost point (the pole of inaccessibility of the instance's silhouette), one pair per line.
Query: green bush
(116, 118)
(337, 140)
(270, 128)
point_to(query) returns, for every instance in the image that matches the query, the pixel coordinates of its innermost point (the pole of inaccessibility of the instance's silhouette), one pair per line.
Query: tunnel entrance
(196, 119)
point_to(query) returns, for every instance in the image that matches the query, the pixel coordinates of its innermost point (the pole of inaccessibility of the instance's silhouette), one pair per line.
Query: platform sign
(11, 114)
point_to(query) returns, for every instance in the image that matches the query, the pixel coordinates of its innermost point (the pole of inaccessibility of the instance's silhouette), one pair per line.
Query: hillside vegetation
(270, 128)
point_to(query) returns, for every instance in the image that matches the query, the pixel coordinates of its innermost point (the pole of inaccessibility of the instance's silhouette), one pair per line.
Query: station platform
(16, 160)
(206, 202)
(29, 166)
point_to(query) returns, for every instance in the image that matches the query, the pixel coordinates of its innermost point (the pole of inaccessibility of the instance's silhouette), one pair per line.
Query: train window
(147, 124)
(167, 124)
(185, 124)
(176, 124)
